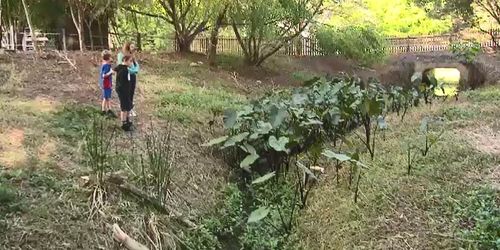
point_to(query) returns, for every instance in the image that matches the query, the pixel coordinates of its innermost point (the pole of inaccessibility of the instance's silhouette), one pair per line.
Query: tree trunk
(1, 27)
(78, 21)
(28, 19)
(138, 42)
(183, 43)
(214, 38)
(89, 27)
(101, 37)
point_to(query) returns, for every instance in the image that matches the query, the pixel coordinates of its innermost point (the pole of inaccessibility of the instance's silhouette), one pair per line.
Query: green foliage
(262, 27)
(72, 121)
(361, 43)
(458, 113)
(201, 239)
(488, 95)
(196, 103)
(157, 167)
(287, 123)
(98, 140)
(467, 51)
(399, 18)
(8, 199)
(478, 217)
(156, 34)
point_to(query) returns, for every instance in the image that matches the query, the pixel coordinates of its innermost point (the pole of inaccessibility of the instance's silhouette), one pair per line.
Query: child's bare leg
(108, 106)
(103, 105)
(124, 116)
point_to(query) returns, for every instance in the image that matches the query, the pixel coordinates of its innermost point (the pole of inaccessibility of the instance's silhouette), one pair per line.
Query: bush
(361, 43)
(467, 51)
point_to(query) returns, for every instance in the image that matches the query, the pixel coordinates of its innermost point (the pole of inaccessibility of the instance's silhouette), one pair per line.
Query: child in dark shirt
(124, 90)
(106, 83)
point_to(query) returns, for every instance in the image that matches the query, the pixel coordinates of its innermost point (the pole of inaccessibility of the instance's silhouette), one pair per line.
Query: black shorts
(125, 99)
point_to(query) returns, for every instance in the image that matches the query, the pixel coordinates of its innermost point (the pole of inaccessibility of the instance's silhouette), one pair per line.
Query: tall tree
(96, 9)
(263, 27)
(1, 26)
(467, 10)
(77, 9)
(219, 9)
(28, 19)
(188, 17)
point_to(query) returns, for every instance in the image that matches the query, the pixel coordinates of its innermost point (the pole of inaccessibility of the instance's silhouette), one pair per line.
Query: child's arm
(134, 68)
(107, 71)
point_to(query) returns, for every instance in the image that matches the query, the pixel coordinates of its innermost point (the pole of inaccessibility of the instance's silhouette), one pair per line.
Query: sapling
(430, 138)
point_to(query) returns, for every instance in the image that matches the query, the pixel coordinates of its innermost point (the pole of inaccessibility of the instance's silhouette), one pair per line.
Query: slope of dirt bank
(45, 193)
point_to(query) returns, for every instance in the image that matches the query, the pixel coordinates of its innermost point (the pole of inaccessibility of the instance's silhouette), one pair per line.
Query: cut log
(125, 240)
(131, 189)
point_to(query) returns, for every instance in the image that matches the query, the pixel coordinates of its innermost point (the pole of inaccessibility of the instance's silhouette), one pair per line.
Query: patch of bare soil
(494, 178)
(486, 139)
(12, 153)
(53, 77)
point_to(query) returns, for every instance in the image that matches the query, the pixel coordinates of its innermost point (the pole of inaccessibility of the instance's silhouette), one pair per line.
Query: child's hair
(127, 58)
(126, 47)
(104, 52)
(106, 56)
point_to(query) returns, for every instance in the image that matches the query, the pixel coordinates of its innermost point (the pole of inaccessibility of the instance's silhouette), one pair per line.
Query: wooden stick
(120, 182)
(125, 240)
(65, 57)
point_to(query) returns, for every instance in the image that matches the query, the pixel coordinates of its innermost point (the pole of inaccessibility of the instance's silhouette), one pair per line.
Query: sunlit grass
(450, 79)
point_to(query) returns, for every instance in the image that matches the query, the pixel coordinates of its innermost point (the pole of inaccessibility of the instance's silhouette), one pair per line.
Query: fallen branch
(128, 188)
(65, 57)
(125, 240)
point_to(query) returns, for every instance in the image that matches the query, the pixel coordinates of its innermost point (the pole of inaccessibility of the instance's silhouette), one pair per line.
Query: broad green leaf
(215, 141)
(264, 127)
(235, 139)
(310, 122)
(332, 155)
(264, 178)
(382, 124)
(416, 78)
(248, 148)
(258, 214)
(299, 99)
(249, 160)
(424, 125)
(277, 116)
(278, 144)
(230, 118)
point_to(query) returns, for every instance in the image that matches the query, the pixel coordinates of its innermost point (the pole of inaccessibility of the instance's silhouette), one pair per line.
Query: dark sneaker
(111, 114)
(103, 113)
(127, 126)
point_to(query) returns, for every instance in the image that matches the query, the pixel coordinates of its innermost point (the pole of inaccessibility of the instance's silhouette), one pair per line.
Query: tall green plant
(158, 168)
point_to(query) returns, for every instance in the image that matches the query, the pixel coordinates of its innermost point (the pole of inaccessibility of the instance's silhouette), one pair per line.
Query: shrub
(467, 50)
(361, 43)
